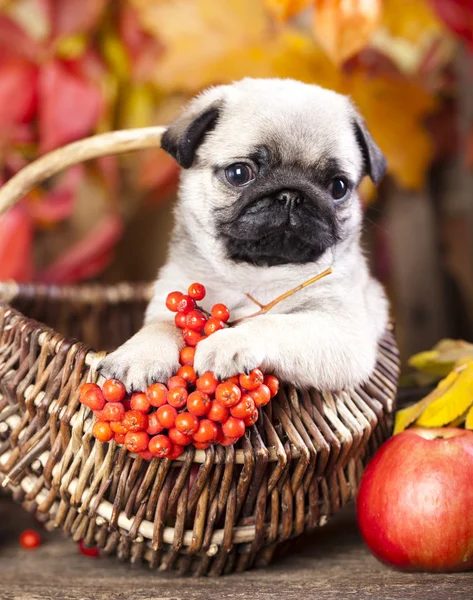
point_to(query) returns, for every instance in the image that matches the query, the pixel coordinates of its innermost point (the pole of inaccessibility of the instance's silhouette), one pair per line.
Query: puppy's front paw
(144, 359)
(228, 352)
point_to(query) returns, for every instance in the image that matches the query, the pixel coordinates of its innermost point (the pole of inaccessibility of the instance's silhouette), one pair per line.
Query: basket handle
(114, 142)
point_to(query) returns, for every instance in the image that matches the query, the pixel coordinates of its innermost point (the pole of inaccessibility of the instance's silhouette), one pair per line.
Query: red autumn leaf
(457, 15)
(16, 237)
(69, 106)
(75, 16)
(18, 91)
(158, 173)
(88, 257)
(143, 49)
(48, 208)
(14, 42)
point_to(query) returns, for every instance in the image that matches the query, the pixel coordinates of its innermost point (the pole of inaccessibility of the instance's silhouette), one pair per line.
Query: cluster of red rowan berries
(189, 409)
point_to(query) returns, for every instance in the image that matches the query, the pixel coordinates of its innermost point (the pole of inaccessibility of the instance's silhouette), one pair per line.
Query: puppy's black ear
(374, 159)
(184, 135)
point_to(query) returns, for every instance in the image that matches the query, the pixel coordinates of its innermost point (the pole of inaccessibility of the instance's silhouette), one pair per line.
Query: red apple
(415, 502)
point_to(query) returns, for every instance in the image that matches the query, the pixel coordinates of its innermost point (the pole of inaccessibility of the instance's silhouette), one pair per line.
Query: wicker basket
(209, 512)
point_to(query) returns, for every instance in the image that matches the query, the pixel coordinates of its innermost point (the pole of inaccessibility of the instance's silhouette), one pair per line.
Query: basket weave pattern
(209, 512)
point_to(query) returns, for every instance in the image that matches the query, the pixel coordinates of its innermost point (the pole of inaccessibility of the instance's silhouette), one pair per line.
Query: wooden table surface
(332, 564)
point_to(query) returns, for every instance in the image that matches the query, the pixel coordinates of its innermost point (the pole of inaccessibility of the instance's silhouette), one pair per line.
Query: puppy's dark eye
(239, 174)
(338, 188)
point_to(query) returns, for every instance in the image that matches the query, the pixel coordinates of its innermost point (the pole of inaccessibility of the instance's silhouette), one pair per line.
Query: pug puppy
(268, 199)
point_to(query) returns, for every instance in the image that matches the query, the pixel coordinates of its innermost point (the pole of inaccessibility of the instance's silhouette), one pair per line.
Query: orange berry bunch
(201, 411)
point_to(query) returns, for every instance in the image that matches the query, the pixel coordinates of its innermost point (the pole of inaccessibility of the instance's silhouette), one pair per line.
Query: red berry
(220, 435)
(113, 411)
(244, 408)
(101, 430)
(167, 416)
(177, 397)
(173, 300)
(196, 291)
(251, 381)
(118, 427)
(207, 383)
(154, 426)
(187, 372)
(218, 412)
(180, 320)
(177, 381)
(160, 446)
(113, 390)
(251, 420)
(261, 395)
(98, 414)
(202, 445)
(119, 438)
(136, 441)
(233, 428)
(135, 420)
(91, 551)
(198, 403)
(92, 397)
(226, 441)
(220, 311)
(176, 451)
(207, 432)
(186, 357)
(273, 384)
(227, 394)
(157, 394)
(146, 455)
(213, 325)
(177, 437)
(30, 539)
(187, 423)
(195, 320)
(140, 401)
(185, 304)
(85, 387)
(192, 338)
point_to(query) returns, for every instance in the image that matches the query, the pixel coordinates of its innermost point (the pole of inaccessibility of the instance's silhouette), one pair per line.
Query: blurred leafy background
(72, 68)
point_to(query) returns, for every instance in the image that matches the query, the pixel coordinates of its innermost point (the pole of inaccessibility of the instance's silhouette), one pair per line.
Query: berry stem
(267, 307)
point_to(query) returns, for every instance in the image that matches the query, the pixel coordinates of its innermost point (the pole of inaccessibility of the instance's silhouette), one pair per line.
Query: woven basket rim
(90, 292)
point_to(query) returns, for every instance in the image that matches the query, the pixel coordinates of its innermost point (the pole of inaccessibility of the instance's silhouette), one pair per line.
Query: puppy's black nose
(290, 198)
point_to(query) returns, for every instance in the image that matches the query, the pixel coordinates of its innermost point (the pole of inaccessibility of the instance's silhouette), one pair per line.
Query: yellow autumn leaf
(443, 357)
(379, 100)
(469, 419)
(285, 9)
(137, 107)
(413, 20)
(202, 40)
(72, 46)
(344, 27)
(453, 402)
(408, 415)
(115, 55)
(407, 32)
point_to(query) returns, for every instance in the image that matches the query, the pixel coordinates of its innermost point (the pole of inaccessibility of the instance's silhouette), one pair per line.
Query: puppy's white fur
(324, 336)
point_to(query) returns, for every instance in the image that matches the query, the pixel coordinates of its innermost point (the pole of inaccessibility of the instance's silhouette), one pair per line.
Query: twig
(254, 300)
(264, 308)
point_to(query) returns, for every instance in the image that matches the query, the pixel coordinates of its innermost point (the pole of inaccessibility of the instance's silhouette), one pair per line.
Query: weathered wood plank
(331, 565)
